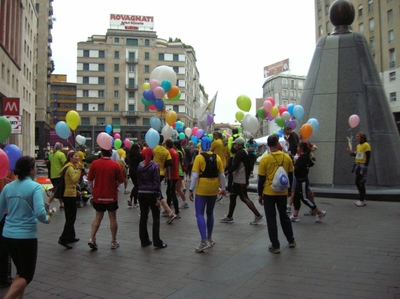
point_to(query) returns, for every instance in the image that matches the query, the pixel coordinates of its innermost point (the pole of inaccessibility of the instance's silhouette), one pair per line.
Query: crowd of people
(205, 167)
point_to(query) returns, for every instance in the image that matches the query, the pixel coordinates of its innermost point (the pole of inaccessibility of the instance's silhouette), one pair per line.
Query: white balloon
(162, 73)
(286, 115)
(188, 132)
(79, 139)
(167, 132)
(250, 123)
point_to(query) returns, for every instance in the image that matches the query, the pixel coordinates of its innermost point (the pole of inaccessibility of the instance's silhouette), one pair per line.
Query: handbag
(60, 188)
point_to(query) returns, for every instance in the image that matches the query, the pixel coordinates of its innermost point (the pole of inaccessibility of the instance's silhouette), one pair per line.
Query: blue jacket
(24, 201)
(149, 178)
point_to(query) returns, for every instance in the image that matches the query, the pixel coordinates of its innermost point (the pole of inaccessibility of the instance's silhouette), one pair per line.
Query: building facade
(18, 43)
(379, 22)
(111, 70)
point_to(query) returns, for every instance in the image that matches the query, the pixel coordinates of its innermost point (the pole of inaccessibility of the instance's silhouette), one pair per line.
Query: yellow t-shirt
(122, 153)
(81, 156)
(161, 155)
(268, 166)
(361, 157)
(207, 186)
(217, 147)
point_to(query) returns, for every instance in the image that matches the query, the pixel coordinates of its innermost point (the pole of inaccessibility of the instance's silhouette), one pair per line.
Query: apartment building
(379, 22)
(111, 70)
(18, 43)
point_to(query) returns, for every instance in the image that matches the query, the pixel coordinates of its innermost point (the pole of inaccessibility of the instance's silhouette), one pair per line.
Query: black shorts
(23, 253)
(101, 207)
(55, 181)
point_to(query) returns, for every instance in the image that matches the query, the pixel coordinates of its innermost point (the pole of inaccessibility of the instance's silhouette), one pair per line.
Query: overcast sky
(233, 40)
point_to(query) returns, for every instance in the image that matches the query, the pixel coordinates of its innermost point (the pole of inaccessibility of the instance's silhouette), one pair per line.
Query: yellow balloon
(171, 117)
(146, 86)
(239, 115)
(244, 103)
(73, 119)
(274, 111)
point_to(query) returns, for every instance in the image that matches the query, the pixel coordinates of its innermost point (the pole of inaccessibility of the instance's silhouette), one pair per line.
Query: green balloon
(239, 115)
(177, 97)
(244, 103)
(280, 121)
(117, 143)
(261, 113)
(211, 136)
(5, 128)
(146, 102)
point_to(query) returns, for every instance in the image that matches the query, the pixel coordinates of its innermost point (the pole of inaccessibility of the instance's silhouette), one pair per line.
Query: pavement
(353, 253)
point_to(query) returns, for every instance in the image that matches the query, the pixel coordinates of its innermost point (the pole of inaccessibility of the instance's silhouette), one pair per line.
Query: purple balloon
(292, 124)
(270, 117)
(210, 119)
(199, 133)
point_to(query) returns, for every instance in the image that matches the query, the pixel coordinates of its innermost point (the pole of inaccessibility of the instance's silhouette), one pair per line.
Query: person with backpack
(271, 199)
(301, 167)
(240, 171)
(207, 177)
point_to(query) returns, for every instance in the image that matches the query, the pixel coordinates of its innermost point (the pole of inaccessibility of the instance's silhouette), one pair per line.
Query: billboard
(276, 68)
(131, 22)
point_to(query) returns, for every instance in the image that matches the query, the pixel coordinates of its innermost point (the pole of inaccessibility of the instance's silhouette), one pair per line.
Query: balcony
(392, 64)
(130, 114)
(49, 52)
(50, 22)
(50, 10)
(131, 86)
(132, 60)
(50, 38)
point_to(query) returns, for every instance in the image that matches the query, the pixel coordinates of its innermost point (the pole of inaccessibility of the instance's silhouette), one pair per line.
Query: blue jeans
(270, 201)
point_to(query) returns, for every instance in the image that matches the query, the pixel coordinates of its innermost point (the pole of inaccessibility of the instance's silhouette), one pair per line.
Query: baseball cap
(239, 141)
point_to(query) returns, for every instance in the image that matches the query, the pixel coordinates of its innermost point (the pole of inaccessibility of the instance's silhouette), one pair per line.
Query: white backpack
(280, 182)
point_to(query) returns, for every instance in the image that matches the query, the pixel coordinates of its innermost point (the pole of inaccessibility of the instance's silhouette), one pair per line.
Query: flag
(203, 112)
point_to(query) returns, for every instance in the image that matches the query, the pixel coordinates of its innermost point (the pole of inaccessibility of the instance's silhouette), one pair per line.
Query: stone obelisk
(343, 80)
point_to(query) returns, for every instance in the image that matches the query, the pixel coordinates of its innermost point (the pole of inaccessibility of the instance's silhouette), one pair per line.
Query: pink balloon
(152, 107)
(354, 120)
(104, 141)
(4, 164)
(194, 130)
(267, 105)
(117, 136)
(199, 133)
(127, 143)
(159, 92)
(153, 84)
(271, 100)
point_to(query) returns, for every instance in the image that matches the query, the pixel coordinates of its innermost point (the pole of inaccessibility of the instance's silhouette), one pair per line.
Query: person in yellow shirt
(272, 200)
(82, 154)
(207, 176)
(217, 147)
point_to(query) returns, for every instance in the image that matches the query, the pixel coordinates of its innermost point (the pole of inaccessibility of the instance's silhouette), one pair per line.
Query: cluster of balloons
(106, 141)
(8, 157)
(5, 128)
(249, 122)
(160, 88)
(63, 129)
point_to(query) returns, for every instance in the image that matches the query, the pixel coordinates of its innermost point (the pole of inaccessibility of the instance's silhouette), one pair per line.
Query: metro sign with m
(11, 106)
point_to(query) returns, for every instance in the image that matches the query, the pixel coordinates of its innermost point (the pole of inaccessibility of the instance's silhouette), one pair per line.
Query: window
(132, 42)
(371, 25)
(319, 14)
(176, 69)
(116, 40)
(146, 121)
(85, 93)
(147, 69)
(175, 57)
(392, 58)
(101, 121)
(116, 54)
(116, 107)
(391, 36)
(284, 93)
(147, 43)
(175, 108)
(372, 43)
(131, 82)
(131, 95)
(300, 84)
(131, 107)
(392, 76)
(131, 121)
(100, 93)
(116, 67)
(86, 66)
(370, 5)
(132, 57)
(85, 53)
(360, 9)
(320, 30)
(161, 56)
(116, 94)
(85, 107)
(115, 121)
(85, 121)
(85, 80)
(361, 28)
(100, 107)
(116, 80)
(390, 16)
(292, 95)
(291, 84)
(326, 9)
(392, 97)
(131, 68)
(101, 81)
(284, 83)
(101, 67)
(146, 56)
(102, 54)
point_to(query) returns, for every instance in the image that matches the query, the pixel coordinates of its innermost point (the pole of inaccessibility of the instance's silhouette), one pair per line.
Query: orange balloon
(171, 117)
(306, 130)
(173, 92)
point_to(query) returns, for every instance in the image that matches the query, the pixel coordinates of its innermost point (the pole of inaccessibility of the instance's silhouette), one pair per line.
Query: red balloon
(271, 99)
(282, 109)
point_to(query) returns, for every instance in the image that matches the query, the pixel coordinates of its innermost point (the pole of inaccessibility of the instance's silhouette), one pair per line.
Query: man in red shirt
(104, 177)
(173, 176)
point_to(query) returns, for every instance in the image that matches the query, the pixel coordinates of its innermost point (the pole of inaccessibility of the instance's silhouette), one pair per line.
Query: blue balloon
(149, 95)
(314, 124)
(166, 85)
(159, 104)
(155, 123)
(290, 108)
(152, 138)
(83, 140)
(63, 130)
(13, 153)
(108, 129)
(298, 112)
